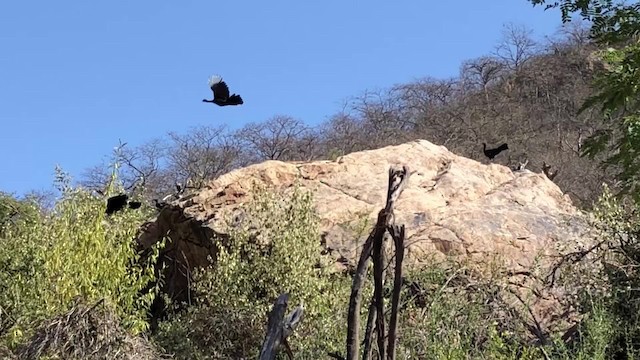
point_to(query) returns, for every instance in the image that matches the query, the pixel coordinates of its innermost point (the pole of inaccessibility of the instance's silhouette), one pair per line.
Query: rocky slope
(451, 206)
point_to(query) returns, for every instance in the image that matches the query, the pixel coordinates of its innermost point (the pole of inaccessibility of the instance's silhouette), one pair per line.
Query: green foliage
(459, 317)
(620, 256)
(275, 249)
(15, 212)
(604, 283)
(618, 86)
(72, 252)
(588, 9)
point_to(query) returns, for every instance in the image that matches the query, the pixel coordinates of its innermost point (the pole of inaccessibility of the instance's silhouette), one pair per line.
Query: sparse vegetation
(448, 309)
(73, 286)
(276, 250)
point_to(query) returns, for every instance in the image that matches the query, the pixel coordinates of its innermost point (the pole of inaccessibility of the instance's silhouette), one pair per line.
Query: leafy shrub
(612, 300)
(452, 312)
(14, 212)
(275, 249)
(74, 251)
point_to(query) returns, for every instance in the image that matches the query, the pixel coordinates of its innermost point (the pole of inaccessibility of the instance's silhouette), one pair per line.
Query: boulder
(452, 206)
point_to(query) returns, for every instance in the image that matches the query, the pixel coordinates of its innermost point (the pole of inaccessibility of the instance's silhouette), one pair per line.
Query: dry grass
(87, 333)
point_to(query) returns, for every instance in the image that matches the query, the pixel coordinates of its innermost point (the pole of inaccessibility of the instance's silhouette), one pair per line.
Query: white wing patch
(214, 80)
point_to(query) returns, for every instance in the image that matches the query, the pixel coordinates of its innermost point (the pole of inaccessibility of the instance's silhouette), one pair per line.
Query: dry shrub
(87, 333)
(5, 353)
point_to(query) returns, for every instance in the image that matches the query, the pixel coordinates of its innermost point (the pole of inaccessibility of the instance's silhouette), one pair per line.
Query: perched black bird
(134, 204)
(491, 153)
(221, 93)
(118, 202)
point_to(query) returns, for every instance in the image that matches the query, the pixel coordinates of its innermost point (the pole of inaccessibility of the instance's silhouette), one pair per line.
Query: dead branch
(397, 181)
(571, 258)
(378, 273)
(368, 331)
(280, 327)
(353, 318)
(398, 235)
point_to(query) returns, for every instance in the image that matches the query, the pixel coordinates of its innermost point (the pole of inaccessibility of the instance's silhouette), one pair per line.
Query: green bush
(612, 301)
(74, 251)
(275, 249)
(457, 314)
(14, 212)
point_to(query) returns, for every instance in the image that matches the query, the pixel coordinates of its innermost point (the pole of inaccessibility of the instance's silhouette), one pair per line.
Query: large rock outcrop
(451, 206)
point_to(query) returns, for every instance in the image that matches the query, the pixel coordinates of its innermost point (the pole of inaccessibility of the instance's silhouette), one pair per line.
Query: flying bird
(491, 153)
(221, 93)
(118, 202)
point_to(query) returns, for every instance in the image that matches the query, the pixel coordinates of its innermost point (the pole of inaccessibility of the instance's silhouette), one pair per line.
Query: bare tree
(274, 139)
(139, 168)
(482, 72)
(308, 146)
(343, 134)
(142, 163)
(96, 178)
(382, 112)
(203, 153)
(428, 103)
(516, 47)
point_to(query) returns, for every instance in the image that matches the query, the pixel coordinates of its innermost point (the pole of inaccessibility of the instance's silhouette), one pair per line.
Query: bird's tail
(235, 99)
(503, 147)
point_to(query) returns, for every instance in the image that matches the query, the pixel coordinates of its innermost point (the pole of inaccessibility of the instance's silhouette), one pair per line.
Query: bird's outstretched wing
(219, 87)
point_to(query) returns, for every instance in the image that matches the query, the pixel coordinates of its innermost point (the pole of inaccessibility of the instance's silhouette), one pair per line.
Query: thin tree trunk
(368, 332)
(378, 267)
(353, 318)
(398, 235)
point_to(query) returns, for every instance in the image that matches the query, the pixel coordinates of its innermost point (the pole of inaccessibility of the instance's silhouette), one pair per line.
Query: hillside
(527, 96)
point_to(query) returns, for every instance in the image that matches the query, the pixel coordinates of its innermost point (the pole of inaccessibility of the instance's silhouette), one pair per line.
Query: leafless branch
(398, 179)
(398, 235)
(280, 327)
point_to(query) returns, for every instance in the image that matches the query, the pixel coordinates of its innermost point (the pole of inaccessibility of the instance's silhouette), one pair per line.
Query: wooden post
(280, 327)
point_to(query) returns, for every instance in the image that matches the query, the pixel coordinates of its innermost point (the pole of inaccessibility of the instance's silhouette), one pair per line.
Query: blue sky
(75, 77)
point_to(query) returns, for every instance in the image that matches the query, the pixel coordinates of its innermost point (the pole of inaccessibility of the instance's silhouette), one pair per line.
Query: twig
(573, 258)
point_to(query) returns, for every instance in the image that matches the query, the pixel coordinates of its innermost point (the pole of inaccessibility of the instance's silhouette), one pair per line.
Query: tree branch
(398, 235)
(397, 182)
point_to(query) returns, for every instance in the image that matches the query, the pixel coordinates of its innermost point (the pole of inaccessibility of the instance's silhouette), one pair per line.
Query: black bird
(221, 93)
(118, 202)
(134, 204)
(491, 153)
